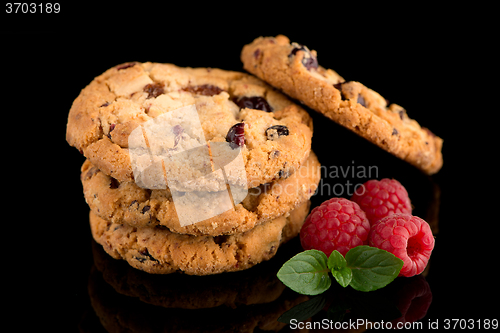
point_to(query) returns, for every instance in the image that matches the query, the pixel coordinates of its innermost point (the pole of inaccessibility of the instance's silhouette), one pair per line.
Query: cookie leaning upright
(124, 97)
(294, 69)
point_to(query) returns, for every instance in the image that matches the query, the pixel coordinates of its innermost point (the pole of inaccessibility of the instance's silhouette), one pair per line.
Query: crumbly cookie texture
(158, 250)
(294, 69)
(127, 203)
(124, 97)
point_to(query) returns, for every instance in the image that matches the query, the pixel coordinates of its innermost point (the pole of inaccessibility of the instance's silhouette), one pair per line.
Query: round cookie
(294, 69)
(157, 250)
(128, 96)
(127, 203)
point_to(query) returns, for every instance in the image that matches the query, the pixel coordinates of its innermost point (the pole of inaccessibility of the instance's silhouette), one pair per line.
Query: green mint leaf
(336, 260)
(343, 276)
(304, 310)
(340, 272)
(306, 273)
(372, 268)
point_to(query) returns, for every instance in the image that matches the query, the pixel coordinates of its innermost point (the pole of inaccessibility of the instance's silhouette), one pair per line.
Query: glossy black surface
(49, 260)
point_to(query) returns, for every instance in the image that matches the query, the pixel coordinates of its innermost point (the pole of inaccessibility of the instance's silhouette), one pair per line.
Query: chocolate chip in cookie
(338, 86)
(145, 255)
(309, 61)
(114, 184)
(361, 100)
(274, 132)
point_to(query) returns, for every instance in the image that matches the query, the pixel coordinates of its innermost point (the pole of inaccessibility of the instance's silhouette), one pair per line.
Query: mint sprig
(372, 268)
(364, 268)
(306, 273)
(339, 269)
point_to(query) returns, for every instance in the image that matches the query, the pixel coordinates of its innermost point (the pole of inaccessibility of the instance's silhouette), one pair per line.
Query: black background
(435, 62)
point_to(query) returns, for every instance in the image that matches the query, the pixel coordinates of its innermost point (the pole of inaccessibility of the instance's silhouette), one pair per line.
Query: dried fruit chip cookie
(130, 95)
(294, 69)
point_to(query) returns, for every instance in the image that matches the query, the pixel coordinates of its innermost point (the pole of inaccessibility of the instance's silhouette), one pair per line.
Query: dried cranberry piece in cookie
(154, 90)
(254, 102)
(125, 66)
(204, 89)
(309, 61)
(236, 135)
(177, 130)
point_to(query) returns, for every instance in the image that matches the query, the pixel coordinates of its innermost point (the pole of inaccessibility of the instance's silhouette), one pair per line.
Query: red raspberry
(382, 198)
(337, 224)
(407, 237)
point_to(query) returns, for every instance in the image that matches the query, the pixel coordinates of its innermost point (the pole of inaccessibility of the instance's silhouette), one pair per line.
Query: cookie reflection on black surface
(253, 286)
(240, 301)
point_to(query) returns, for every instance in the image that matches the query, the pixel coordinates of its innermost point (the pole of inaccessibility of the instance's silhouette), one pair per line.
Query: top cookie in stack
(221, 149)
(108, 110)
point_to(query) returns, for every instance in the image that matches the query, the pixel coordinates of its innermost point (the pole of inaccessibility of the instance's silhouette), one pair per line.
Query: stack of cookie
(197, 170)
(207, 171)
